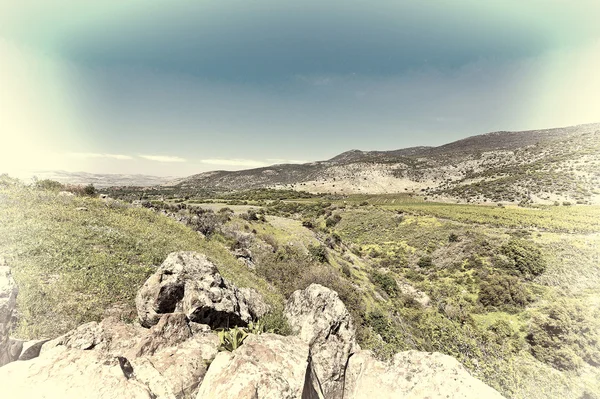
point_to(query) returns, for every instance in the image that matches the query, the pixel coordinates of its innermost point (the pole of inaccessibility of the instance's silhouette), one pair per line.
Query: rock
(116, 360)
(171, 330)
(81, 208)
(323, 322)
(266, 366)
(190, 283)
(418, 296)
(69, 373)
(15, 347)
(412, 375)
(31, 349)
(8, 301)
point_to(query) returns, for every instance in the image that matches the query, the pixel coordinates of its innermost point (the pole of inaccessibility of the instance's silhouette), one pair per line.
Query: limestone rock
(412, 375)
(190, 283)
(63, 373)
(8, 300)
(323, 322)
(266, 366)
(166, 361)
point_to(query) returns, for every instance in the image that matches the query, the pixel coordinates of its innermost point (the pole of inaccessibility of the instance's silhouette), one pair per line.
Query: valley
(511, 292)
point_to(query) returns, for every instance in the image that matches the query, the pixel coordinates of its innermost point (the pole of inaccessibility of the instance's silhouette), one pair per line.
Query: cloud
(89, 155)
(162, 158)
(235, 162)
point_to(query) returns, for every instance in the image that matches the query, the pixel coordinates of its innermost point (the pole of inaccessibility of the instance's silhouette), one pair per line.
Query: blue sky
(181, 87)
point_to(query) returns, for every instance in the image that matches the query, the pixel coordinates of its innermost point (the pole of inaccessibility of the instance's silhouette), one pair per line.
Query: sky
(173, 88)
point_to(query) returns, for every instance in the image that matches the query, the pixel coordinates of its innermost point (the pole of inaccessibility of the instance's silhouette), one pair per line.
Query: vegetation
(566, 334)
(510, 292)
(73, 265)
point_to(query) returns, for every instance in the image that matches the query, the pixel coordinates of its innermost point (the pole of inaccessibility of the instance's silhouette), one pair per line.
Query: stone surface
(323, 322)
(412, 375)
(69, 373)
(31, 349)
(8, 300)
(266, 366)
(190, 283)
(167, 361)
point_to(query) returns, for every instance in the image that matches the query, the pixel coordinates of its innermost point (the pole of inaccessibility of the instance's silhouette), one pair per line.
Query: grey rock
(190, 283)
(166, 361)
(266, 366)
(323, 322)
(31, 349)
(412, 375)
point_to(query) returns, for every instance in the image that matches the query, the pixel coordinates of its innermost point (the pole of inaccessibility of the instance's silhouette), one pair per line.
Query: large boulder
(8, 301)
(322, 321)
(112, 359)
(190, 283)
(266, 366)
(412, 375)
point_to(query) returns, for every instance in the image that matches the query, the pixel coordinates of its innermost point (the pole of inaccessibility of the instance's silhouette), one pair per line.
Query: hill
(538, 166)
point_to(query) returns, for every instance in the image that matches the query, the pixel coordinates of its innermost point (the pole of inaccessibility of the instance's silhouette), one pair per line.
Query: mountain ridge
(538, 166)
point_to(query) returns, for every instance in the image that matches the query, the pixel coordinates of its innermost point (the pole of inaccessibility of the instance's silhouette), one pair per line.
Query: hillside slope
(539, 166)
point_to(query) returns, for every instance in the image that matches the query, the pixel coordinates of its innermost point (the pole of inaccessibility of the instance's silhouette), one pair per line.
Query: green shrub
(318, 253)
(565, 334)
(276, 322)
(332, 220)
(346, 271)
(501, 291)
(386, 282)
(89, 190)
(425, 262)
(48, 184)
(524, 257)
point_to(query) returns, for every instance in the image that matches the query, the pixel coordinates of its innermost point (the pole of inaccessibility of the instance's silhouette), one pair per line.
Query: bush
(500, 291)
(250, 215)
(89, 190)
(565, 334)
(386, 282)
(453, 238)
(425, 262)
(206, 223)
(346, 271)
(318, 253)
(524, 257)
(275, 321)
(48, 184)
(308, 223)
(332, 220)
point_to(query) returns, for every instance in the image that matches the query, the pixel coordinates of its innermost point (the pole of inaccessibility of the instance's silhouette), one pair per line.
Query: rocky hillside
(177, 354)
(539, 166)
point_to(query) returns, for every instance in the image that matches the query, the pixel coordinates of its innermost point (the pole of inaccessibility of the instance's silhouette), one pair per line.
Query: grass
(574, 219)
(71, 265)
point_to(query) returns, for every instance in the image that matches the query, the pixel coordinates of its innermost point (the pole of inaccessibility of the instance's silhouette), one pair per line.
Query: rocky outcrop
(322, 321)
(413, 375)
(177, 356)
(112, 359)
(8, 300)
(190, 283)
(266, 366)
